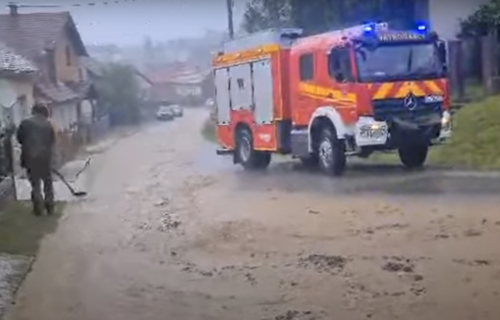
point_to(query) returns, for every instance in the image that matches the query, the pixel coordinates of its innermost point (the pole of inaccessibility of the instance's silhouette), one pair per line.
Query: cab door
(306, 100)
(341, 80)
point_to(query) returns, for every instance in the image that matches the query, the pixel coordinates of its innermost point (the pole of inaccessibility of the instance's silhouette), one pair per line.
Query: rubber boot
(50, 208)
(37, 209)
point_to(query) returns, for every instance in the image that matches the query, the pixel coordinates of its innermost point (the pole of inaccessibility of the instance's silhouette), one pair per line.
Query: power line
(78, 4)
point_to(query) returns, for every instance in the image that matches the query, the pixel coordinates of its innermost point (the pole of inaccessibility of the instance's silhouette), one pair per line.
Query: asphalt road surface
(171, 231)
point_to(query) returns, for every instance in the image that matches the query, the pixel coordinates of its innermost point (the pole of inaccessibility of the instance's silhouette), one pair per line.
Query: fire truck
(326, 97)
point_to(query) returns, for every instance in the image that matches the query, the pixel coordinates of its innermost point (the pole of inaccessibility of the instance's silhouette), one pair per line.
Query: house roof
(29, 34)
(143, 76)
(49, 92)
(13, 63)
(183, 75)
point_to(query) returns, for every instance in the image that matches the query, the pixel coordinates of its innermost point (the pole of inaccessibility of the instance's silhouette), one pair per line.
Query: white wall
(10, 90)
(445, 15)
(64, 115)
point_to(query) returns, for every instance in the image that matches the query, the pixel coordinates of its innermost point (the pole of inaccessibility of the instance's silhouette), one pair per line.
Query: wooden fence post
(491, 79)
(456, 71)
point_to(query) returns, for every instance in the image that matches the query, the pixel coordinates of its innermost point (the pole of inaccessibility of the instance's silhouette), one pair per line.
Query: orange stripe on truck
(400, 90)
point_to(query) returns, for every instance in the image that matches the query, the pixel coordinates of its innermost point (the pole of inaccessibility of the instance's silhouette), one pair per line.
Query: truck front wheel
(248, 157)
(331, 153)
(413, 156)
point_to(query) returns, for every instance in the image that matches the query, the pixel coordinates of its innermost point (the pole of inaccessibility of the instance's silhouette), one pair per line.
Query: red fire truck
(322, 98)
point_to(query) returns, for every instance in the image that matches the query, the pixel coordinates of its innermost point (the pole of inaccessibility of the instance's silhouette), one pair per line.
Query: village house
(16, 94)
(52, 43)
(182, 84)
(17, 77)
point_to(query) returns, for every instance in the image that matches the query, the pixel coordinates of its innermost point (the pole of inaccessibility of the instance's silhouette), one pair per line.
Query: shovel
(68, 185)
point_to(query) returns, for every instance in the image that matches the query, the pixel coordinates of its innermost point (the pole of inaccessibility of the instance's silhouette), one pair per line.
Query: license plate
(367, 133)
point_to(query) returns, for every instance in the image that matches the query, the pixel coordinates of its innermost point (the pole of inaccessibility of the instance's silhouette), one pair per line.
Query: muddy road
(172, 231)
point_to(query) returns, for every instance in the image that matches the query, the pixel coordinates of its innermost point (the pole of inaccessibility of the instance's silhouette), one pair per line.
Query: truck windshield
(399, 62)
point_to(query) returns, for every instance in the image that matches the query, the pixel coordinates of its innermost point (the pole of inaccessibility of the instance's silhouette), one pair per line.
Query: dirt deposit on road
(173, 232)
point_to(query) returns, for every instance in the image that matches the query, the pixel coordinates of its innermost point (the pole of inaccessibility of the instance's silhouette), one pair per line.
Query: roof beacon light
(369, 27)
(421, 27)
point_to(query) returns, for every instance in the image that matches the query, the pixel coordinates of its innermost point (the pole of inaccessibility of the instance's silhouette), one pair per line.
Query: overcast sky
(128, 22)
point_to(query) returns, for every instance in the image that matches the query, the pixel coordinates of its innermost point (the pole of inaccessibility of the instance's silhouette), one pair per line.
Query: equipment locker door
(263, 91)
(241, 87)
(222, 98)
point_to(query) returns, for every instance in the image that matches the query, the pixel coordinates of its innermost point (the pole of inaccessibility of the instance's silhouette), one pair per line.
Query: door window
(339, 65)
(306, 67)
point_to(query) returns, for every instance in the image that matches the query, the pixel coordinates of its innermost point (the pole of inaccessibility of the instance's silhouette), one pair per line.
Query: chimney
(13, 8)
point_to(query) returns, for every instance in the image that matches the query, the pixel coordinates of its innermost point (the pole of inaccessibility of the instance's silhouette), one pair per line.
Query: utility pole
(230, 26)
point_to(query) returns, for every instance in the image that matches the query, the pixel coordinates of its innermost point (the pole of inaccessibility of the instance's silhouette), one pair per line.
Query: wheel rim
(326, 153)
(245, 149)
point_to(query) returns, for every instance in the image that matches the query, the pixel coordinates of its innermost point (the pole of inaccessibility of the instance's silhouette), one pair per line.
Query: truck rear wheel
(413, 156)
(331, 153)
(249, 158)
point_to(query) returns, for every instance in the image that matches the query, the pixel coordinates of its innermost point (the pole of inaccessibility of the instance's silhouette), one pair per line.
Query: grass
(474, 143)
(21, 231)
(208, 130)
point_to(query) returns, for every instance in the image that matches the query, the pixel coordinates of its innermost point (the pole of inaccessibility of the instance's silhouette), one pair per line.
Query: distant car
(165, 113)
(177, 110)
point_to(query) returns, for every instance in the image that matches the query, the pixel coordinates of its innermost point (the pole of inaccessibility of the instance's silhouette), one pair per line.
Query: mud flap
(300, 142)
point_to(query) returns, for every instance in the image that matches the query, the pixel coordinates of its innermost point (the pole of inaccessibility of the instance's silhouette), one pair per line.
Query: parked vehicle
(165, 113)
(177, 110)
(326, 97)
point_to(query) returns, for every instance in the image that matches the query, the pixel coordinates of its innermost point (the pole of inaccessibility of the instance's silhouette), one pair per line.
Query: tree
(483, 21)
(119, 93)
(266, 14)
(323, 15)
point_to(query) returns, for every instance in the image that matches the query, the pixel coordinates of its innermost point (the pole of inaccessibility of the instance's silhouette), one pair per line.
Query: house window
(68, 56)
(306, 67)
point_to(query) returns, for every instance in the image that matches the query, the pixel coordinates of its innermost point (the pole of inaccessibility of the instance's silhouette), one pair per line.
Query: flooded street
(172, 231)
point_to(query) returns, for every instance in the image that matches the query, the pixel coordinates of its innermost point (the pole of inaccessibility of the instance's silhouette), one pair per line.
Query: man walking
(37, 138)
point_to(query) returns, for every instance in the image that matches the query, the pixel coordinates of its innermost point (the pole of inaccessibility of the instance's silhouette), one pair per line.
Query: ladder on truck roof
(280, 36)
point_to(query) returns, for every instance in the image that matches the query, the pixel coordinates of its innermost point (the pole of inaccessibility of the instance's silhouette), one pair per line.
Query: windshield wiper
(410, 60)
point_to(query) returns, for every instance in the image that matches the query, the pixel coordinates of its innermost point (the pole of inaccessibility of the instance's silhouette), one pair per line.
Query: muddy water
(173, 232)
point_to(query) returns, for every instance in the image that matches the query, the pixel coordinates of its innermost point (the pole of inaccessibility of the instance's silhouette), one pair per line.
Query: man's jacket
(37, 138)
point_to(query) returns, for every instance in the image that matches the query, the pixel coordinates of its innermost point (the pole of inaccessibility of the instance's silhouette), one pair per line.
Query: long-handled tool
(68, 185)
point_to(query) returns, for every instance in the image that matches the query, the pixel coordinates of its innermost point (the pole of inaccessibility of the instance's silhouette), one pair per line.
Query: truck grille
(386, 109)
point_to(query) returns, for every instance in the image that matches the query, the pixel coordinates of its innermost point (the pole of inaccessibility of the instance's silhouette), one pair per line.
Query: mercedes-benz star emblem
(410, 102)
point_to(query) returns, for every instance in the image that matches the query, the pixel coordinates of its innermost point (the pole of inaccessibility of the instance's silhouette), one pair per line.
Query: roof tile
(11, 62)
(30, 33)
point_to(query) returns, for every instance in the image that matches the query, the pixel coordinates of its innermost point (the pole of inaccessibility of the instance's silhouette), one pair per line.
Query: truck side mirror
(443, 56)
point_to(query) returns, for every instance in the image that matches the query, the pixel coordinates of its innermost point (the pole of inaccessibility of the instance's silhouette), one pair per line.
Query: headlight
(446, 120)
(433, 98)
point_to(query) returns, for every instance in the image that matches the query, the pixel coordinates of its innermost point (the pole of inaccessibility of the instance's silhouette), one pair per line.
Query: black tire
(413, 156)
(310, 162)
(249, 158)
(333, 160)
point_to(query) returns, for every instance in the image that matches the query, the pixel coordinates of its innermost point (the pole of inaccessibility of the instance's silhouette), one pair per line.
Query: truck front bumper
(369, 132)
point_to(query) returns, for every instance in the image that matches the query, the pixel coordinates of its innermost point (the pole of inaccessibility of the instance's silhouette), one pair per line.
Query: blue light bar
(421, 26)
(369, 27)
